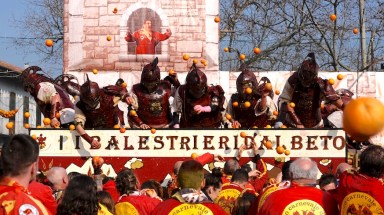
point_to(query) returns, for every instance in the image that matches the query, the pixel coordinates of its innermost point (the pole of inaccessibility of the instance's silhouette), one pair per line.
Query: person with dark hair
(152, 188)
(150, 98)
(19, 161)
(213, 183)
(300, 102)
(132, 200)
(302, 195)
(190, 199)
(71, 175)
(146, 39)
(259, 112)
(80, 198)
(327, 182)
(231, 192)
(106, 200)
(362, 190)
(243, 203)
(230, 167)
(97, 108)
(200, 105)
(53, 101)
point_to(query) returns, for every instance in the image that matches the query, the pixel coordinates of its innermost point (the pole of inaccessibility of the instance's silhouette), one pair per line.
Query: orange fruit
(97, 160)
(247, 104)
(47, 121)
(94, 71)
(235, 104)
(280, 150)
(268, 86)
(153, 130)
(340, 77)
(116, 126)
(226, 49)
(277, 92)
(217, 19)
(331, 81)
(115, 10)
(124, 85)
(49, 42)
(257, 50)
(287, 152)
(242, 57)
(283, 126)
(248, 90)
(132, 113)
(268, 126)
(292, 105)
(322, 106)
(355, 31)
(109, 38)
(185, 57)
(27, 114)
(194, 155)
(27, 125)
(332, 17)
(171, 72)
(34, 136)
(195, 61)
(363, 117)
(72, 127)
(228, 116)
(57, 115)
(39, 126)
(275, 112)
(205, 64)
(10, 125)
(268, 144)
(243, 134)
(122, 130)
(203, 61)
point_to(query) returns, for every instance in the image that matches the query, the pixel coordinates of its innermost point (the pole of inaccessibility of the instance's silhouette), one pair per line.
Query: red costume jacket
(359, 194)
(175, 207)
(16, 199)
(44, 194)
(299, 200)
(145, 45)
(140, 205)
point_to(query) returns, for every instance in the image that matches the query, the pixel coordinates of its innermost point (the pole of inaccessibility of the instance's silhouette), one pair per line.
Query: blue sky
(8, 52)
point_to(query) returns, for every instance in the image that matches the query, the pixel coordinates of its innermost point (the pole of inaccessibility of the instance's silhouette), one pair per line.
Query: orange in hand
(292, 105)
(228, 116)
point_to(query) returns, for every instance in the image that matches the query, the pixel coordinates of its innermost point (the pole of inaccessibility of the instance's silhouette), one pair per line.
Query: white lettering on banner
(181, 143)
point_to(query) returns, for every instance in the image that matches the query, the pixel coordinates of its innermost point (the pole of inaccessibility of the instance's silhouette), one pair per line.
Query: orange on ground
(248, 90)
(242, 57)
(185, 57)
(10, 125)
(122, 130)
(235, 104)
(153, 130)
(268, 144)
(72, 127)
(27, 125)
(228, 116)
(363, 118)
(257, 50)
(243, 134)
(194, 155)
(226, 49)
(268, 86)
(331, 81)
(287, 152)
(217, 19)
(49, 42)
(94, 71)
(332, 17)
(47, 121)
(355, 31)
(275, 112)
(132, 113)
(247, 104)
(340, 77)
(27, 114)
(124, 84)
(292, 105)
(280, 150)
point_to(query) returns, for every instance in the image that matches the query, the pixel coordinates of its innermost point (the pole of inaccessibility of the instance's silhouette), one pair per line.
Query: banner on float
(182, 143)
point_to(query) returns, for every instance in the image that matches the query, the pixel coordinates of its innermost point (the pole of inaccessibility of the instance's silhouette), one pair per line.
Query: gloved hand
(199, 109)
(144, 126)
(176, 126)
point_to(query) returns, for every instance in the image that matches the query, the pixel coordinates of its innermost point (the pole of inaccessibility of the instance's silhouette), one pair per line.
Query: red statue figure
(200, 105)
(50, 97)
(97, 108)
(252, 104)
(151, 98)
